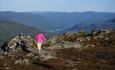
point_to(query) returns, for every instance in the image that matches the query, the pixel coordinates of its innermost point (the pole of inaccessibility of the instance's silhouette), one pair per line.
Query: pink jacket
(40, 38)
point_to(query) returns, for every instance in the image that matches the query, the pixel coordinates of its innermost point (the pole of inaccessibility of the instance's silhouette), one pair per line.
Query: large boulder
(20, 43)
(67, 40)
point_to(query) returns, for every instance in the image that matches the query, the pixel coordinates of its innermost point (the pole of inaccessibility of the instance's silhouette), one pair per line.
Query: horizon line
(61, 11)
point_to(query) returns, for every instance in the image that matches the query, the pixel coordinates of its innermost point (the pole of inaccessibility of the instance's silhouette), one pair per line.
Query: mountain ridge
(56, 21)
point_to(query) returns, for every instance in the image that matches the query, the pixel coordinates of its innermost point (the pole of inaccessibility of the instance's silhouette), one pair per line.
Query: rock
(18, 62)
(69, 34)
(7, 68)
(22, 61)
(1, 57)
(57, 46)
(106, 38)
(15, 41)
(5, 64)
(66, 44)
(44, 58)
(33, 50)
(22, 43)
(92, 45)
(106, 31)
(71, 44)
(88, 38)
(30, 55)
(69, 62)
(26, 61)
(81, 39)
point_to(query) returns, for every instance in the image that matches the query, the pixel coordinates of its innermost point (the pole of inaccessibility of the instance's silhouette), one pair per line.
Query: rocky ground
(69, 51)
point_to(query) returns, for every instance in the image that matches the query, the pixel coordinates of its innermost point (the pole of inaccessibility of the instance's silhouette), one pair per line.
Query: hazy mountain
(10, 29)
(110, 24)
(30, 19)
(57, 21)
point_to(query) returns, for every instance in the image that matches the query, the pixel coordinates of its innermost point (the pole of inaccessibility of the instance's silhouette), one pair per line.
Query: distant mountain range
(61, 21)
(110, 24)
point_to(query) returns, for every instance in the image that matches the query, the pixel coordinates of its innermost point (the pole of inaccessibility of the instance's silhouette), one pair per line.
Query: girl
(40, 39)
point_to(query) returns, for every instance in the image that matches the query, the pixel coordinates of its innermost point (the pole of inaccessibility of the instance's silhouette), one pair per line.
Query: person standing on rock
(40, 39)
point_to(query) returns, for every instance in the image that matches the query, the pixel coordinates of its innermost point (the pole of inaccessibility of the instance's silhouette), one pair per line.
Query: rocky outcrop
(80, 40)
(26, 46)
(68, 50)
(20, 42)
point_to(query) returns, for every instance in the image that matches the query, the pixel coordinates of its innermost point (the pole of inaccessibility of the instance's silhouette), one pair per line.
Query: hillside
(69, 51)
(109, 24)
(9, 29)
(58, 21)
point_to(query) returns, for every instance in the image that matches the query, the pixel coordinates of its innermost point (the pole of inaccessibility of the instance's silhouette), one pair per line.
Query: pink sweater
(40, 38)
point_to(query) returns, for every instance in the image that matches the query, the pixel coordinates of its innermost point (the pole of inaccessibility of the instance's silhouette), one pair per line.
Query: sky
(58, 5)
